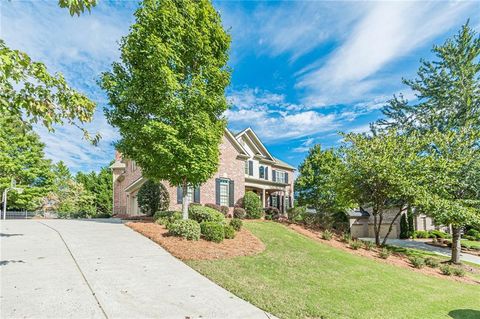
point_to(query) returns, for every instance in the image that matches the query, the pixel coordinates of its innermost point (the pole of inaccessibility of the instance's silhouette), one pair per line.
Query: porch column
(264, 200)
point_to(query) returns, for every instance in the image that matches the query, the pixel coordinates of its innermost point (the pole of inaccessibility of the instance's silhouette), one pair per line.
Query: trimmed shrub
(473, 233)
(164, 214)
(152, 197)
(355, 244)
(446, 270)
(295, 214)
(214, 206)
(224, 210)
(236, 224)
(188, 229)
(229, 232)
(459, 272)
(205, 214)
(432, 262)
(327, 235)
(212, 231)
(167, 217)
(346, 237)
(384, 253)
(252, 205)
(239, 213)
(417, 262)
(421, 234)
(368, 245)
(272, 213)
(438, 234)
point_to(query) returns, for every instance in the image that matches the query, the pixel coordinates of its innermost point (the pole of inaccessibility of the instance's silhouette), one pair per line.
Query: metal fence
(18, 214)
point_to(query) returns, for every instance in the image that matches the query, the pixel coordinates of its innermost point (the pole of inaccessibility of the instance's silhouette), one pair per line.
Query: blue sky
(302, 71)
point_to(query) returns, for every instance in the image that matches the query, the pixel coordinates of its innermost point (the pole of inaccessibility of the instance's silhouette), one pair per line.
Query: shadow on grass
(464, 314)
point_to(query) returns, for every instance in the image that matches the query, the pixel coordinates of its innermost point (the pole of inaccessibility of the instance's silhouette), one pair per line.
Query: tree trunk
(391, 226)
(456, 244)
(376, 229)
(185, 200)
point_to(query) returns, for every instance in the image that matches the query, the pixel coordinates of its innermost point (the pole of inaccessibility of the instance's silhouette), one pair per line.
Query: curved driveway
(102, 269)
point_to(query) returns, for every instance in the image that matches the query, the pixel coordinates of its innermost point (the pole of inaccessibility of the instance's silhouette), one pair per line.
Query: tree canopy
(29, 92)
(167, 95)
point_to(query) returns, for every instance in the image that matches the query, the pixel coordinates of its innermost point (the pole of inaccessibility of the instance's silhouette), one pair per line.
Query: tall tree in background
(167, 96)
(22, 158)
(448, 89)
(448, 112)
(318, 184)
(100, 185)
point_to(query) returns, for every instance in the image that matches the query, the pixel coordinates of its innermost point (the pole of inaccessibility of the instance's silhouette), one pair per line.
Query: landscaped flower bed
(244, 243)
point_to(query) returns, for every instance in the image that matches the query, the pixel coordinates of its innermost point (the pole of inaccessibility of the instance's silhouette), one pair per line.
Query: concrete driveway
(102, 269)
(417, 244)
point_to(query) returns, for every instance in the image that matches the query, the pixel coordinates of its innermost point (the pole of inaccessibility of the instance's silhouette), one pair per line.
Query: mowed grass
(296, 277)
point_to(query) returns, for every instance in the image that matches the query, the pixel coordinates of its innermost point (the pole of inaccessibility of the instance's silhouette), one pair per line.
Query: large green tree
(22, 158)
(319, 184)
(167, 96)
(447, 112)
(381, 170)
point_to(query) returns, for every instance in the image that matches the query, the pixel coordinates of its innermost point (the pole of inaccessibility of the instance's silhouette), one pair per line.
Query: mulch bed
(396, 259)
(244, 243)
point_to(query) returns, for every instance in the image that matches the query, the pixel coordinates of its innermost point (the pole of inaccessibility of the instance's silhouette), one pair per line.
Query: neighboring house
(361, 223)
(245, 164)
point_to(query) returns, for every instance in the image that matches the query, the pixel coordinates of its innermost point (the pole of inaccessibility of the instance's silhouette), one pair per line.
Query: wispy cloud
(388, 30)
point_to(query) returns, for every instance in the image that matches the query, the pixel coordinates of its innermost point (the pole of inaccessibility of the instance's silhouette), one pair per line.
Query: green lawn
(471, 243)
(296, 277)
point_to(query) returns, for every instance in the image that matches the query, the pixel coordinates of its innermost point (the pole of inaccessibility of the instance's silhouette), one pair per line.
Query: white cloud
(388, 31)
(305, 146)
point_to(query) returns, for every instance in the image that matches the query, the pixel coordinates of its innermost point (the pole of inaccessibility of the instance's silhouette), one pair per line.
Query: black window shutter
(231, 193)
(217, 191)
(250, 168)
(196, 194)
(266, 173)
(179, 195)
(274, 176)
(278, 201)
(286, 178)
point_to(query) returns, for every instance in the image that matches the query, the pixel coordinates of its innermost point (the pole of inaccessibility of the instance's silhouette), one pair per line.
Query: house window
(190, 194)
(274, 200)
(280, 177)
(261, 172)
(287, 202)
(224, 192)
(246, 167)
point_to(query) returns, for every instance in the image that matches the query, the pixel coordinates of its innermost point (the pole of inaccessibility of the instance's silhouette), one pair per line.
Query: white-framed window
(190, 196)
(246, 167)
(261, 172)
(287, 202)
(280, 176)
(224, 192)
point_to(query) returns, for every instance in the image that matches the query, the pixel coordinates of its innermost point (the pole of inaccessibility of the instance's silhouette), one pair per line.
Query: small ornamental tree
(382, 170)
(252, 205)
(152, 197)
(167, 95)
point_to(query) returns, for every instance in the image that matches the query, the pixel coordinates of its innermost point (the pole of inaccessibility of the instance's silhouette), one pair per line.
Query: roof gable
(250, 136)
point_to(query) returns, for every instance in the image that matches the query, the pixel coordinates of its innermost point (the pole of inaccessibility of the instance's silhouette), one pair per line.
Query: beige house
(245, 164)
(362, 221)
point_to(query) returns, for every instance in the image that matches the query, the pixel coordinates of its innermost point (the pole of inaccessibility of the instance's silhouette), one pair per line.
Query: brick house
(244, 165)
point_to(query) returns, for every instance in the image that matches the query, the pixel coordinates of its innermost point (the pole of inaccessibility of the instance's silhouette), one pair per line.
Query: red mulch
(244, 243)
(395, 259)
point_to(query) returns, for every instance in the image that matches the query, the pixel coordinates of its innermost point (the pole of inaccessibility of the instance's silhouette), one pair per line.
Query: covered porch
(271, 196)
